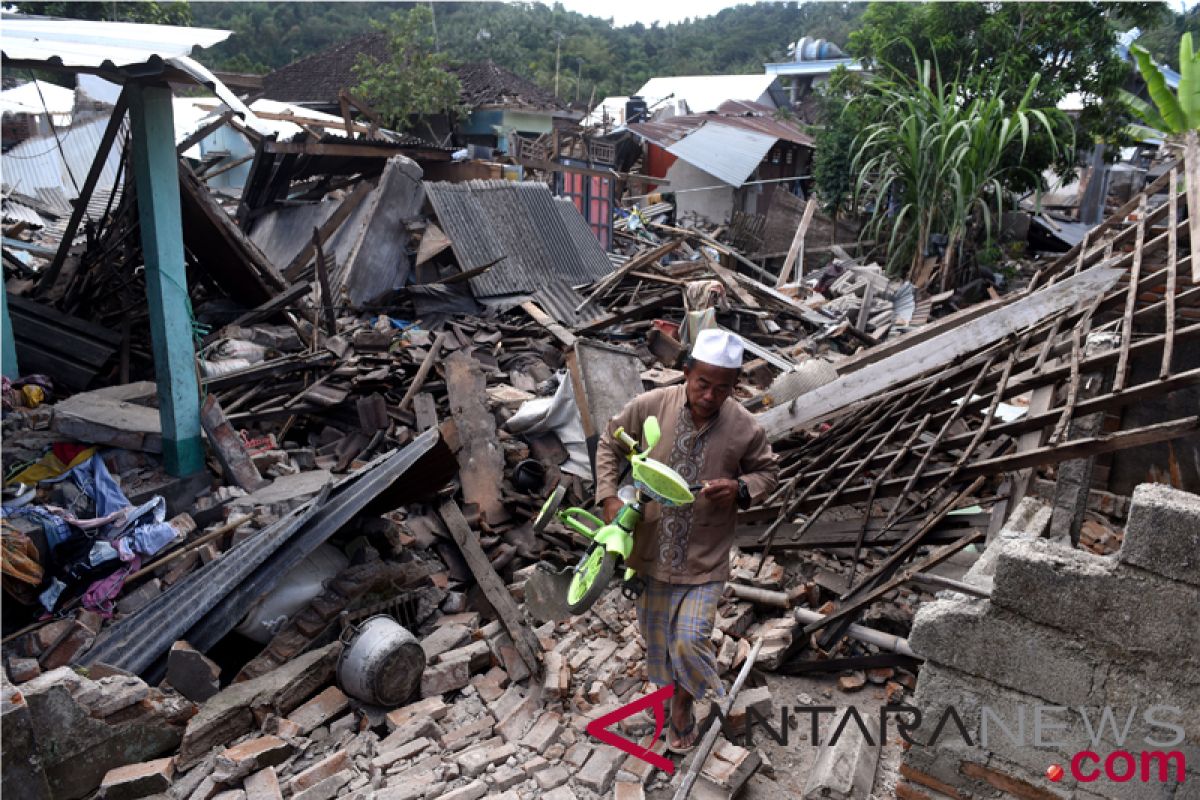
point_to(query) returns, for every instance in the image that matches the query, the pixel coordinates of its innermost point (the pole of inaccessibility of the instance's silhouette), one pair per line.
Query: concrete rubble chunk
(327, 789)
(75, 749)
(262, 785)
(231, 712)
(137, 780)
(1090, 596)
(477, 759)
(191, 673)
(252, 755)
(844, 770)
(325, 768)
(1162, 534)
(320, 710)
(600, 770)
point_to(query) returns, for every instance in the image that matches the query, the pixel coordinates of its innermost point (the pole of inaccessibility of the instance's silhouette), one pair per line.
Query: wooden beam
(795, 254)
(935, 353)
(203, 131)
(344, 150)
(564, 336)
(1191, 166)
(50, 276)
(492, 587)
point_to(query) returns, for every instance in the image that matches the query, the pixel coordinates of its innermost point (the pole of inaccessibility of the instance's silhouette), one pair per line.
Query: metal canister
(381, 662)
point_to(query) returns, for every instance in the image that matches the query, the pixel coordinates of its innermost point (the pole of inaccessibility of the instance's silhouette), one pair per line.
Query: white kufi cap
(719, 348)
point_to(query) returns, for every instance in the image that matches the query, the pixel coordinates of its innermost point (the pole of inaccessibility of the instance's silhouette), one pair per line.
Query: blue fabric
(92, 477)
(147, 540)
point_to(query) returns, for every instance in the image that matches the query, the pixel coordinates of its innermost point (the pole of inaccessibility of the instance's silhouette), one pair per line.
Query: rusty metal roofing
(520, 226)
(667, 132)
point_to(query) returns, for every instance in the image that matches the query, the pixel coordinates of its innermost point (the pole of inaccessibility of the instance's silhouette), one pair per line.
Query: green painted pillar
(8, 357)
(156, 171)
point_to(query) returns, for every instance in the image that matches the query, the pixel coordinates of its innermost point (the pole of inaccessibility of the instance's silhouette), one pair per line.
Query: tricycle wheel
(549, 509)
(591, 577)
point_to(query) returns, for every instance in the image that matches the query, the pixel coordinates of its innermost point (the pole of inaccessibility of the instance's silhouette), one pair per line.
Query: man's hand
(722, 491)
(612, 505)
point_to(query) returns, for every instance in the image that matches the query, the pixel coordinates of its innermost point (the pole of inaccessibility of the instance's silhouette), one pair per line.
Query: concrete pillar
(8, 357)
(156, 170)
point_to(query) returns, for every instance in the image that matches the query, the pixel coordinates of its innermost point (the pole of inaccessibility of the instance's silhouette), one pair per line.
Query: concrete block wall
(1064, 635)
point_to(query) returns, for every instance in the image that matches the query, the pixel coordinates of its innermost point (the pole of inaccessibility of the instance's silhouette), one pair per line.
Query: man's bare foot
(682, 735)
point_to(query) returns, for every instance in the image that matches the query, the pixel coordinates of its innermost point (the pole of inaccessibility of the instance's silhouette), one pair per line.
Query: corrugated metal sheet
(38, 97)
(16, 212)
(39, 163)
(723, 151)
(595, 258)
(488, 220)
(79, 43)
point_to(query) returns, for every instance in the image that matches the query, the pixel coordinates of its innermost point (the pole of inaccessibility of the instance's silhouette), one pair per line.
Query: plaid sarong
(676, 622)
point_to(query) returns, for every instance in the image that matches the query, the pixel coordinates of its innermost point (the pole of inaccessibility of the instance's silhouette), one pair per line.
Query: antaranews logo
(1114, 754)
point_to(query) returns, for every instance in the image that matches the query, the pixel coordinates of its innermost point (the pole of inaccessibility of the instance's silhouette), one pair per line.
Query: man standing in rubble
(682, 553)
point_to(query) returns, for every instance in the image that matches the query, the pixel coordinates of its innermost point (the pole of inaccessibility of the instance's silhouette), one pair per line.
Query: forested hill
(522, 37)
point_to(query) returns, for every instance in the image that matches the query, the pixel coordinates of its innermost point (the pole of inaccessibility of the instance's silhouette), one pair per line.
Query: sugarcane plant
(936, 158)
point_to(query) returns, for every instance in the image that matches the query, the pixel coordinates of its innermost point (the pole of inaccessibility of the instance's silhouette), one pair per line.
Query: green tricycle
(610, 543)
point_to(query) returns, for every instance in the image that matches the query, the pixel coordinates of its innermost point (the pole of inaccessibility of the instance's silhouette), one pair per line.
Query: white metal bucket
(381, 662)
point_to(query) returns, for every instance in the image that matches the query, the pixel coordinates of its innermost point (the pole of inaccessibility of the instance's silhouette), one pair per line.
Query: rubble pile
(399, 364)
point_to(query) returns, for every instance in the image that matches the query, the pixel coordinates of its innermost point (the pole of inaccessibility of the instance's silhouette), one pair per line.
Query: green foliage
(1162, 40)
(1070, 46)
(595, 56)
(150, 12)
(937, 154)
(414, 82)
(1170, 114)
(841, 121)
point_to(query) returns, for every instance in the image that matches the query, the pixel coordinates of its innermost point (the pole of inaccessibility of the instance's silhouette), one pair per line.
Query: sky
(627, 12)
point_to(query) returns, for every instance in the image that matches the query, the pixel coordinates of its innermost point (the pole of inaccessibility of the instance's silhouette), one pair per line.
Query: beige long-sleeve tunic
(690, 544)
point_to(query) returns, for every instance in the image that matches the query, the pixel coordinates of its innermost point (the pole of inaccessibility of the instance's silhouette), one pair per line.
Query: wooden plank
(1130, 303)
(374, 150)
(433, 241)
(277, 304)
(423, 371)
(1049, 454)
(609, 377)
(492, 587)
(1172, 266)
(608, 320)
(85, 192)
(1191, 164)
(228, 447)
(203, 131)
(480, 459)
(426, 411)
(795, 256)
(564, 336)
(936, 353)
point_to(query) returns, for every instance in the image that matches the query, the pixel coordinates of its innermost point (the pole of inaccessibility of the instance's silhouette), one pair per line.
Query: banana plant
(1177, 117)
(1171, 114)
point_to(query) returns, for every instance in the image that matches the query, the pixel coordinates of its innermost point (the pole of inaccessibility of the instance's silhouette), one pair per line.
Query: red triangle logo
(658, 700)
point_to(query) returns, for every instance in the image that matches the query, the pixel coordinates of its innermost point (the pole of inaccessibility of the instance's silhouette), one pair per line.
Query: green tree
(155, 13)
(1070, 46)
(414, 82)
(840, 123)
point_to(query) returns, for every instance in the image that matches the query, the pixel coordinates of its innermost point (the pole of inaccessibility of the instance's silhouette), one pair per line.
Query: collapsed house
(394, 367)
